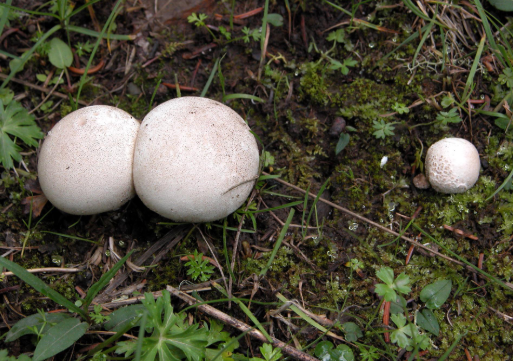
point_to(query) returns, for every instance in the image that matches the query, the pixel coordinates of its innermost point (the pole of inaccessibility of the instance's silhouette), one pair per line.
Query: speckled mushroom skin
(195, 160)
(85, 163)
(452, 165)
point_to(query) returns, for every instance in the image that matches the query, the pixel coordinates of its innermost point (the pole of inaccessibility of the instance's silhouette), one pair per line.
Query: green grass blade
(305, 206)
(29, 53)
(453, 346)
(262, 38)
(458, 257)
(424, 37)
(8, 55)
(301, 314)
(95, 34)
(5, 17)
(243, 96)
(278, 242)
(501, 186)
(444, 48)
(225, 250)
(96, 45)
(291, 204)
(469, 86)
(32, 12)
(408, 40)
(279, 194)
(315, 201)
(246, 310)
(80, 8)
(233, 229)
(339, 8)
(488, 31)
(210, 78)
(71, 237)
(154, 93)
(268, 176)
(104, 280)
(410, 5)
(40, 286)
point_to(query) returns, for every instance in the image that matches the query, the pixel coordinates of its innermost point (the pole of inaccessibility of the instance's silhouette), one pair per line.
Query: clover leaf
(400, 108)
(390, 287)
(325, 352)
(407, 336)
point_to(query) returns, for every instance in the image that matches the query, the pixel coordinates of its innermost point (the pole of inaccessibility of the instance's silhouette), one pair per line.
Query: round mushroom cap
(195, 160)
(452, 165)
(85, 163)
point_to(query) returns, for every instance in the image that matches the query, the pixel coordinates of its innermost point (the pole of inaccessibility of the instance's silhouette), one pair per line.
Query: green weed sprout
(251, 34)
(199, 267)
(369, 354)
(400, 108)
(269, 353)
(199, 21)
(407, 335)
(383, 129)
(390, 288)
(97, 317)
(451, 116)
(16, 121)
(325, 351)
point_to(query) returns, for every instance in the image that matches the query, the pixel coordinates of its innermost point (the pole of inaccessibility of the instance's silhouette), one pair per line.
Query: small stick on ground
(49, 269)
(41, 89)
(223, 317)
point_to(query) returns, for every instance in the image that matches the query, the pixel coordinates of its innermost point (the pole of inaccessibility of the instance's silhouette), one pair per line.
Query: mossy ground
(294, 128)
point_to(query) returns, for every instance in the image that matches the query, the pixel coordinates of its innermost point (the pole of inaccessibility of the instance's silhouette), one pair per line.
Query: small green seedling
(84, 48)
(407, 335)
(16, 121)
(199, 267)
(269, 353)
(451, 116)
(325, 351)
(507, 77)
(382, 129)
(249, 34)
(369, 353)
(97, 317)
(390, 288)
(400, 108)
(344, 66)
(199, 21)
(447, 101)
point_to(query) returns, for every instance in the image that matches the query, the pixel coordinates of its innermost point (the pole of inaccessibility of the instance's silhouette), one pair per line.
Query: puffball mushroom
(195, 160)
(85, 163)
(452, 165)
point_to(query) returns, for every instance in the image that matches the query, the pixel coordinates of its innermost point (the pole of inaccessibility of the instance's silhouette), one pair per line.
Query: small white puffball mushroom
(195, 160)
(85, 163)
(452, 165)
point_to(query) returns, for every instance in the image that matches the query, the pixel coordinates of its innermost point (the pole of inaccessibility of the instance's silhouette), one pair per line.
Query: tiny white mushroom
(195, 160)
(452, 165)
(85, 163)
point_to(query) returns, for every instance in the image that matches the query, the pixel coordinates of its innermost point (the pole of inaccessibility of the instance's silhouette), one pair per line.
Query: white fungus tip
(452, 165)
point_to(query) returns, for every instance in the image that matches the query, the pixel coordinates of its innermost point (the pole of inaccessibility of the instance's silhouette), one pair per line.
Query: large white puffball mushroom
(85, 163)
(195, 160)
(452, 165)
